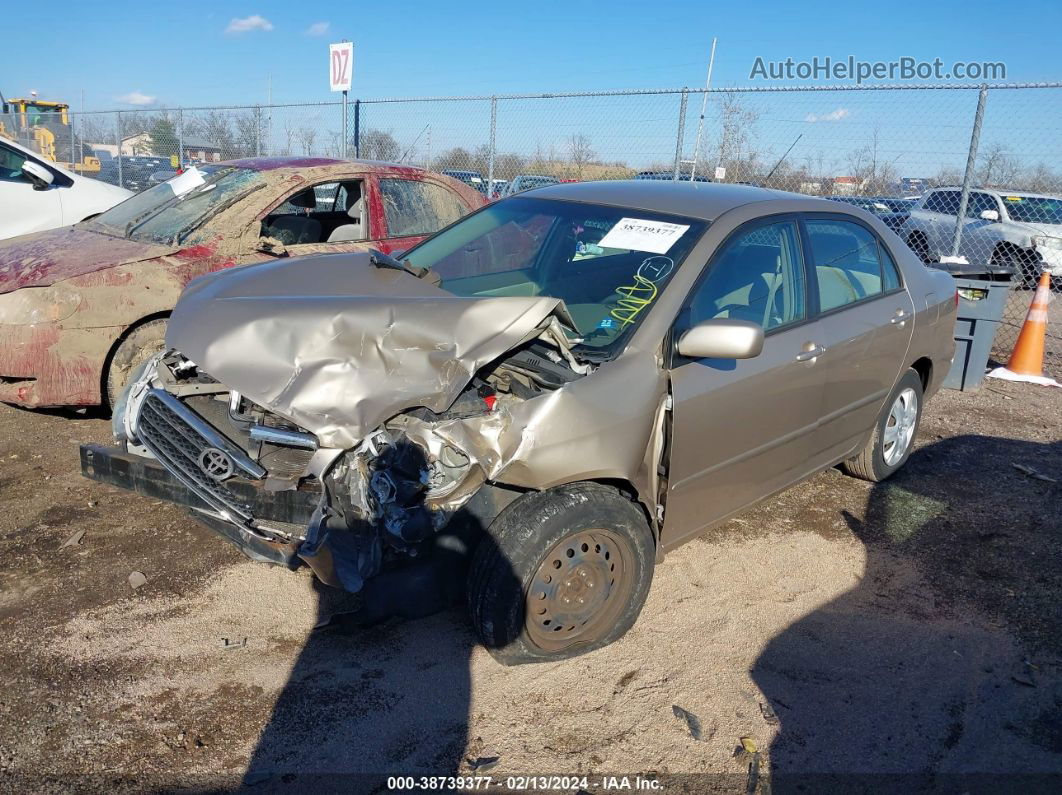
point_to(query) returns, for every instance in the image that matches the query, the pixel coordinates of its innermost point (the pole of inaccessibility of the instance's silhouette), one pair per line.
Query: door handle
(900, 317)
(810, 354)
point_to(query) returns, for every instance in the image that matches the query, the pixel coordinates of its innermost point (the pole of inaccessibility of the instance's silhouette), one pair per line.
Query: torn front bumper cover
(145, 476)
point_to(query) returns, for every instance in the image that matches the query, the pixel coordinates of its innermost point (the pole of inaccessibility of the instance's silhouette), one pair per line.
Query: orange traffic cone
(1027, 358)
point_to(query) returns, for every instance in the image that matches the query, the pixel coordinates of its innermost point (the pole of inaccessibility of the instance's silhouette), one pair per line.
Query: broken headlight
(32, 305)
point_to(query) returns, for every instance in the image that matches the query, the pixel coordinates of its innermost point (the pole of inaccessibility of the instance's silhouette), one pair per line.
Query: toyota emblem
(215, 463)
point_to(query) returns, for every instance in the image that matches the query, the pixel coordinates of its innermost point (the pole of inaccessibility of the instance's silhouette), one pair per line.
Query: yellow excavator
(44, 127)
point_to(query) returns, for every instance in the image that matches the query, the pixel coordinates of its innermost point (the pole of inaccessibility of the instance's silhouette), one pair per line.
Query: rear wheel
(894, 433)
(137, 346)
(560, 573)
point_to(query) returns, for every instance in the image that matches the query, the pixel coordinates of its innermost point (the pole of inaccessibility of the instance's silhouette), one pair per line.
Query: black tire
(919, 245)
(137, 346)
(608, 542)
(873, 462)
(1025, 271)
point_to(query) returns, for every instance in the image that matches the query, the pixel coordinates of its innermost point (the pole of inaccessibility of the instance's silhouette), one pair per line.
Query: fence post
(343, 146)
(180, 139)
(357, 128)
(681, 133)
(971, 164)
(118, 136)
(258, 131)
(493, 134)
(73, 147)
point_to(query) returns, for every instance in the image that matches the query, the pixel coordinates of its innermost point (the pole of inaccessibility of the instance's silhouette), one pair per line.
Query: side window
(890, 276)
(979, 202)
(943, 201)
(758, 276)
(418, 208)
(847, 266)
(318, 199)
(11, 162)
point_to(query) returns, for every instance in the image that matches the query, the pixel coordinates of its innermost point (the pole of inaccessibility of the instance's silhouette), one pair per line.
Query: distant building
(195, 148)
(847, 186)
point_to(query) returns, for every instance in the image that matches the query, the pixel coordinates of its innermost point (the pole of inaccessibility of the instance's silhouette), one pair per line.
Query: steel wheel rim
(579, 589)
(900, 427)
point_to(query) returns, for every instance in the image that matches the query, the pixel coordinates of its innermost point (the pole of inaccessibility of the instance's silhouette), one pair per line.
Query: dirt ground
(910, 628)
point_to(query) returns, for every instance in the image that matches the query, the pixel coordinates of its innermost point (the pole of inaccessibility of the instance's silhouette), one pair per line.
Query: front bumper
(48, 365)
(117, 467)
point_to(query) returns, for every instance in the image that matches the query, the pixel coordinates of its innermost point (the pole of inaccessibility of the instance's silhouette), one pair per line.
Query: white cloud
(136, 98)
(833, 115)
(318, 29)
(247, 24)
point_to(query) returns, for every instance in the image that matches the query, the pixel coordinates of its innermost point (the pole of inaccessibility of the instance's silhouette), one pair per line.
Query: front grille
(177, 443)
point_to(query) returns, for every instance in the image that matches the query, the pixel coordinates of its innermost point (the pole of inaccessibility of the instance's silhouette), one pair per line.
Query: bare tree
(250, 134)
(580, 153)
(379, 145)
(737, 130)
(215, 126)
(997, 168)
(307, 136)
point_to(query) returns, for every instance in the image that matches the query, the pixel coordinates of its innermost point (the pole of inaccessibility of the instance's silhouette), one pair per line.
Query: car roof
(301, 163)
(704, 200)
(998, 191)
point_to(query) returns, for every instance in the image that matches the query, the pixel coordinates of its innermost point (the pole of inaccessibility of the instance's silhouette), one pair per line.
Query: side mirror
(990, 215)
(37, 174)
(722, 338)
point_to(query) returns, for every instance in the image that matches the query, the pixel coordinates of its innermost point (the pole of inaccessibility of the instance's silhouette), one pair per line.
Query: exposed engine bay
(379, 502)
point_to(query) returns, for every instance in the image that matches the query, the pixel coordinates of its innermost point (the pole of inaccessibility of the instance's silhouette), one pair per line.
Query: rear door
(741, 428)
(413, 209)
(866, 319)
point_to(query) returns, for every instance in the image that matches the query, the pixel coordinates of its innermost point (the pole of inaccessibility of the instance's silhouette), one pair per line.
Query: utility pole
(704, 105)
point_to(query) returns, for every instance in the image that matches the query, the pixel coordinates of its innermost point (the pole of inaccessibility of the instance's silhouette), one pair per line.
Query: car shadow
(374, 693)
(897, 685)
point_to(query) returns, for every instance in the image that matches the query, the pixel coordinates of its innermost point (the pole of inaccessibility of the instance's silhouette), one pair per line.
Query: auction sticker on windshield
(637, 234)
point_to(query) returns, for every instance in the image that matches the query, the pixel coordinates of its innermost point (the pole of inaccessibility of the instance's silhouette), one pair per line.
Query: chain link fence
(879, 147)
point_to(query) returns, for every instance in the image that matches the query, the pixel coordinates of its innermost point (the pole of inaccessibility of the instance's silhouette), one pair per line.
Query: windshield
(608, 264)
(173, 211)
(1034, 210)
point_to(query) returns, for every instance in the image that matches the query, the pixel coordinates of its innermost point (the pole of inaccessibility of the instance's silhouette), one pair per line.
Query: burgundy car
(82, 306)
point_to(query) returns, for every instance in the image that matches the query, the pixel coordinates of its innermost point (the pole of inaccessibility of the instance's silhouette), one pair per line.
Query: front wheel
(139, 344)
(894, 433)
(560, 573)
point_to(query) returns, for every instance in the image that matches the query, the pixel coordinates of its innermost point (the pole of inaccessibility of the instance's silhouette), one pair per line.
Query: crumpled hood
(44, 258)
(338, 345)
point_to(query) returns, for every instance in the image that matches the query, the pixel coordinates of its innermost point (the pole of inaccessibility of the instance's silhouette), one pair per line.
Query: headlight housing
(1042, 241)
(30, 306)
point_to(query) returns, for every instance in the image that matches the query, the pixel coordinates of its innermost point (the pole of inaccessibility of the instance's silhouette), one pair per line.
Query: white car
(1005, 232)
(36, 194)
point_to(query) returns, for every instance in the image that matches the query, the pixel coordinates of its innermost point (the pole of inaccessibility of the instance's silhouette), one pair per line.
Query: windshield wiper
(381, 260)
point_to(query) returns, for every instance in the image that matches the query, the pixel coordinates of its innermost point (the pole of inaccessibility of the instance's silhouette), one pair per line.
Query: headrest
(354, 211)
(305, 200)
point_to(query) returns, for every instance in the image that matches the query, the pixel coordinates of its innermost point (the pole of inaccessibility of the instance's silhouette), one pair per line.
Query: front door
(741, 428)
(23, 209)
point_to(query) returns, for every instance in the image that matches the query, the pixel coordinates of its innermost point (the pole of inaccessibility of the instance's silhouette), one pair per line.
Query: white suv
(36, 194)
(1003, 232)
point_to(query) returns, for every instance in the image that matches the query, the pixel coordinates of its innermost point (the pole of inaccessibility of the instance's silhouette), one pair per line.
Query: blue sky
(180, 53)
(136, 55)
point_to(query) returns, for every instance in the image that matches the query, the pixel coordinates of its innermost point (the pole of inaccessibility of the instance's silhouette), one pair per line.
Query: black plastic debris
(482, 763)
(693, 723)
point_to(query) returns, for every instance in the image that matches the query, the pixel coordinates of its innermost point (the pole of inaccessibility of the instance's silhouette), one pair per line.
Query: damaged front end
(415, 488)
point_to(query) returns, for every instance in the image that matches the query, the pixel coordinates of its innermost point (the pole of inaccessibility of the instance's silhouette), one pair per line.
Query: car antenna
(783, 157)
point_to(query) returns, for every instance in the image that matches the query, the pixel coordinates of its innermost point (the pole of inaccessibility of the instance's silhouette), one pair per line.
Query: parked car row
(539, 400)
